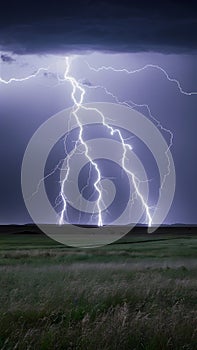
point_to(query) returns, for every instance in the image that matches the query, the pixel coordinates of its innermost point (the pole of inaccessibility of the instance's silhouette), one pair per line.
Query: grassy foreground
(138, 295)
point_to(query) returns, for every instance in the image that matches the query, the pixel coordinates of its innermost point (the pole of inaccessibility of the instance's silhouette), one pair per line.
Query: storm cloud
(7, 58)
(124, 26)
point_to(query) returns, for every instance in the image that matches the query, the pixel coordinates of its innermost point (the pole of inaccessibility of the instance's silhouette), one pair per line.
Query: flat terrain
(139, 293)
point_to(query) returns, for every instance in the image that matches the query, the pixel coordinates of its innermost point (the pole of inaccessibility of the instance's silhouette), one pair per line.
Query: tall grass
(88, 305)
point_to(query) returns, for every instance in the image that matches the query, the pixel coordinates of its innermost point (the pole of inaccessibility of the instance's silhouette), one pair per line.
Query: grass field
(140, 293)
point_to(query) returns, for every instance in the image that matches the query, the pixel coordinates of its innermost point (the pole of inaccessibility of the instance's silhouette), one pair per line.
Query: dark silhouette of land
(175, 229)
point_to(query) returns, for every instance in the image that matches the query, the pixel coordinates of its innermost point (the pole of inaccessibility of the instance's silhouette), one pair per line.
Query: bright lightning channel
(132, 104)
(34, 75)
(77, 87)
(77, 105)
(147, 66)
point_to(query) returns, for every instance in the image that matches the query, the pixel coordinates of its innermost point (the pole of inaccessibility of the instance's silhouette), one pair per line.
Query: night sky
(120, 34)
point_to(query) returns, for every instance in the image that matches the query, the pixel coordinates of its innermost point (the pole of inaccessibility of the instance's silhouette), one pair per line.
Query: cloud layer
(98, 25)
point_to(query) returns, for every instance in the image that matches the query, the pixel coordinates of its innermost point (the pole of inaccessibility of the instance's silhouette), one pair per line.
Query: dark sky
(45, 26)
(135, 33)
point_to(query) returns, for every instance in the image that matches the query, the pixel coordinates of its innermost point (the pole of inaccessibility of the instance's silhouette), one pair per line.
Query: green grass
(122, 296)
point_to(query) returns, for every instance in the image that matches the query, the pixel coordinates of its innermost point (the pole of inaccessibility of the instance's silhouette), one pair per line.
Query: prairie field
(138, 293)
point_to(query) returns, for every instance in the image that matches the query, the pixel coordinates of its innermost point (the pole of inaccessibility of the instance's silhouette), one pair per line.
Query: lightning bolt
(78, 89)
(77, 105)
(132, 104)
(34, 75)
(147, 66)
